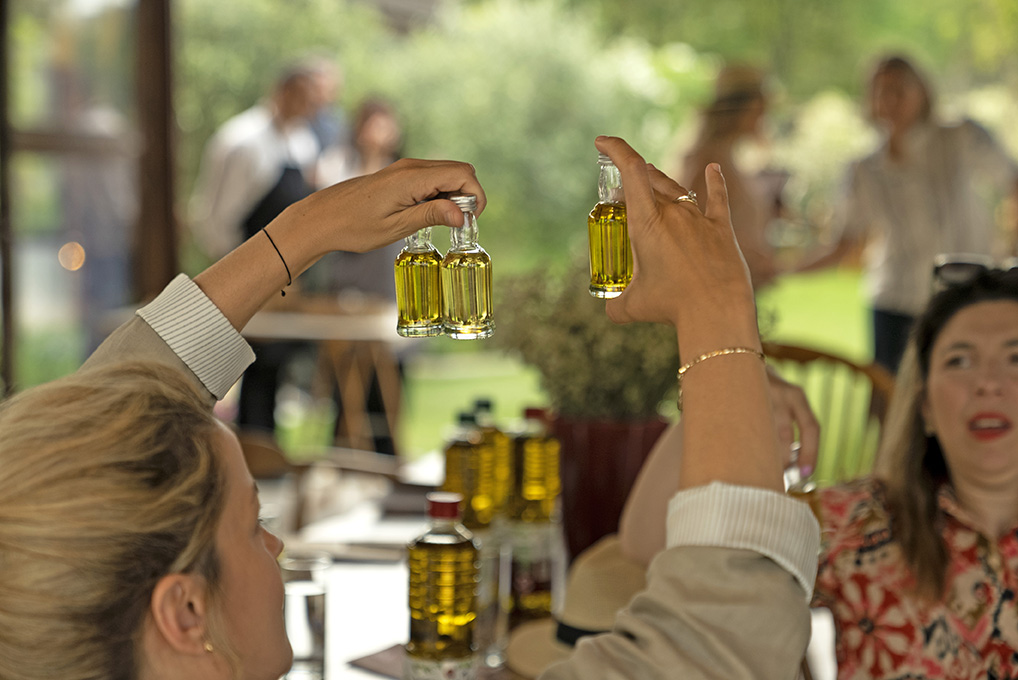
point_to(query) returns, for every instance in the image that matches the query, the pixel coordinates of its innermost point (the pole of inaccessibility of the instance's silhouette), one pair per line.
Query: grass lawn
(825, 310)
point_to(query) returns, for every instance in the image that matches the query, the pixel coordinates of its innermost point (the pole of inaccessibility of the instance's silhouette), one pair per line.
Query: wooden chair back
(850, 401)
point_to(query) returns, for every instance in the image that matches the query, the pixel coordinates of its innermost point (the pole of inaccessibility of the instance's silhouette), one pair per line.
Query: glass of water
(304, 576)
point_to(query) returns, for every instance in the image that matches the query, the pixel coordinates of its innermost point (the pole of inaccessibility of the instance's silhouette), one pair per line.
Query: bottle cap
(467, 418)
(482, 405)
(466, 202)
(444, 505)
(604, 159)
(533, 413)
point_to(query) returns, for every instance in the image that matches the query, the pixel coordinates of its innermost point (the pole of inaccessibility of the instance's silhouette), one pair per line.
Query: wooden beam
(6, 232)
(155, 242)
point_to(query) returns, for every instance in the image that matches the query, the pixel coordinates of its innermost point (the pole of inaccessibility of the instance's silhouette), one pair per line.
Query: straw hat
(601, 581)
(737, 84)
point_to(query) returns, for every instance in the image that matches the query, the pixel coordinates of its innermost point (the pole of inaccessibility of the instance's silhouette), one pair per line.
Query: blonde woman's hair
(108, 482)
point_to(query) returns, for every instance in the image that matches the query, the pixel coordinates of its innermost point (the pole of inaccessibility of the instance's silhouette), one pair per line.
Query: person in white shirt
(919, 195)
(259, 163)
(249, 156)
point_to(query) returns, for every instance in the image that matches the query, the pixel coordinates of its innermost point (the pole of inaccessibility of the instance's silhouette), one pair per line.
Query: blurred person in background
(367, 278)
(256, 165)
(921, 193)
(735, 116)
(329, 122)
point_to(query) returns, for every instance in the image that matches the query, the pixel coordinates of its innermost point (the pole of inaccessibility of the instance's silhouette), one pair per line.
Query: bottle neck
(465, 237)
(609, 185)
(445, 525)
(419, 241)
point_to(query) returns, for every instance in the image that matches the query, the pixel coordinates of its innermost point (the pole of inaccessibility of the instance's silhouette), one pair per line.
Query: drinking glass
(304, 577)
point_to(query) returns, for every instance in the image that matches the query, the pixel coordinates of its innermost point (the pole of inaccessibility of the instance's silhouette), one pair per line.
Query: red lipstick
(988, 426)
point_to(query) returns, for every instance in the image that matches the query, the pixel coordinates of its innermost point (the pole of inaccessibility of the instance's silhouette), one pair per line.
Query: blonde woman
(130, 545)
(138, 552)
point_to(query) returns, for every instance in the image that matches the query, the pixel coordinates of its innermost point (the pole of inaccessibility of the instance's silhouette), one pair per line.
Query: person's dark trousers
(890, 337)
(256, 406)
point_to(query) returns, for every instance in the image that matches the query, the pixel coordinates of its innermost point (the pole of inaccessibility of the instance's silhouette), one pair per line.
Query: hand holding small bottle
(688, 272)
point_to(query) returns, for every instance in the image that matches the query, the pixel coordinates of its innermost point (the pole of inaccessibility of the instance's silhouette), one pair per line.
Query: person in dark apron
(257, 402)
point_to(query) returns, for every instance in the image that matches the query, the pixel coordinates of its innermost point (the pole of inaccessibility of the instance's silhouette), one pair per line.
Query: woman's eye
(957, 361)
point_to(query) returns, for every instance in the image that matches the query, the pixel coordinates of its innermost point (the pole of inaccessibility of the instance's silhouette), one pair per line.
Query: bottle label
(446, 669)
(533, 570)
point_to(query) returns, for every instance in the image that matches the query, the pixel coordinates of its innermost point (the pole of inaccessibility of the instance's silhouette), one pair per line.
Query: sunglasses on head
(960, 268)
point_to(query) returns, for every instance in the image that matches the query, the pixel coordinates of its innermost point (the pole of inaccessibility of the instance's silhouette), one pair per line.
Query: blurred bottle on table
(501, 454)
(534, 529)
(444, 576)
(470, 471)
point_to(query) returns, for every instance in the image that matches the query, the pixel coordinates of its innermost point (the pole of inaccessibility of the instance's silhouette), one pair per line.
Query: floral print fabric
(885, 633)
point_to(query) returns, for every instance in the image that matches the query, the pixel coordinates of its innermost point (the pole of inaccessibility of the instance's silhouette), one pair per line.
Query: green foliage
(814, 44)
(589, 366)
(229, 52)
(519, 89)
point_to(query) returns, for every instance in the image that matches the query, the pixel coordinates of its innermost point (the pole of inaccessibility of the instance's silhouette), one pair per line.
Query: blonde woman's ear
(178, 614)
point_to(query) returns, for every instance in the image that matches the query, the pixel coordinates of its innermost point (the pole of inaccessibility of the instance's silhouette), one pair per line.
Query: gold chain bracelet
(710, 355)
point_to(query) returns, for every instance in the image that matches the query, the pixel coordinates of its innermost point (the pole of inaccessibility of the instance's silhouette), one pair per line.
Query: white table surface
(366, 605)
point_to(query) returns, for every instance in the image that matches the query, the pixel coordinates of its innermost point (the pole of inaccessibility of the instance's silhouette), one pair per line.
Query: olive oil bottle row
(445, 296)
(510, 486)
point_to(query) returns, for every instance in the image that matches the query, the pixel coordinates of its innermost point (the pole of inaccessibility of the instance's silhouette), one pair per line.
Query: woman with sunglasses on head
(922, 192)
(130, 545)
(919, 564)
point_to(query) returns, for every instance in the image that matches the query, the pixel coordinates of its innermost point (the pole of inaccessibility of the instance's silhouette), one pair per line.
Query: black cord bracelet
(289, 279)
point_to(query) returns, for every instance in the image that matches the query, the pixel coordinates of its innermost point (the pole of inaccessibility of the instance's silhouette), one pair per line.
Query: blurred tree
(813, 44)
(519, 89)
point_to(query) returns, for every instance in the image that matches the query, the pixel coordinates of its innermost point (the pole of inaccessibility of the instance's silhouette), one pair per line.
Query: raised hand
(683, 260)
(368, 212)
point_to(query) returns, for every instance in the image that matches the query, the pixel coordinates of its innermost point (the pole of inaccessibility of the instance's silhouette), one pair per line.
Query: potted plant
(606, 383)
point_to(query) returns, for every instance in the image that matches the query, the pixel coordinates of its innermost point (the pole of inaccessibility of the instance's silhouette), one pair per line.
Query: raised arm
(194, 325)
(729, 597)
(688, 272)
(360, 214)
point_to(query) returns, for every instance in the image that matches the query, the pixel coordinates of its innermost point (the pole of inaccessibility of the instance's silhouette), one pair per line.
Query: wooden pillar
(155, 237)
(6, 231)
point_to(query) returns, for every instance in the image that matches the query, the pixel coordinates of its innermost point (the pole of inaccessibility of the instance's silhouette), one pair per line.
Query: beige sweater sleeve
(728, 600)
(184, 329)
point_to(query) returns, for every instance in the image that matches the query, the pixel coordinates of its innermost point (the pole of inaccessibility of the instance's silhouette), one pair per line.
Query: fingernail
(716, 167)
(601, 138)
(806, 470)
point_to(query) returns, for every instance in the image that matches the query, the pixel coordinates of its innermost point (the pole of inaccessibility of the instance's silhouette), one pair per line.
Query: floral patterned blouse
(883, 633)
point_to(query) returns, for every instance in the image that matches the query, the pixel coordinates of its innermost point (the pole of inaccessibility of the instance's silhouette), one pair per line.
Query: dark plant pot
(599, 463)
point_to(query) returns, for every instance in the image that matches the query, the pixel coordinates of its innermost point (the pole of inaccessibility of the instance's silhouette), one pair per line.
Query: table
(355, 340)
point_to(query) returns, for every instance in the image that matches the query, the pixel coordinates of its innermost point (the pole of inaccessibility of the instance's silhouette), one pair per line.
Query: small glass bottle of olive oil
(419, 287)
(444, 573)
(611, 260)
(466, 279)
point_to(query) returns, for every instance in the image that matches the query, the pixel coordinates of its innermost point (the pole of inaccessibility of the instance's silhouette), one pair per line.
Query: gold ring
(689, 197)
